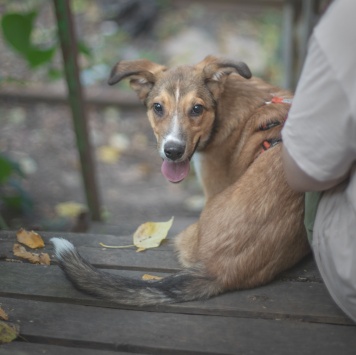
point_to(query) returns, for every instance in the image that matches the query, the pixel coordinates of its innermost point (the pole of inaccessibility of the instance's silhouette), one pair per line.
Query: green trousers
(311, 206)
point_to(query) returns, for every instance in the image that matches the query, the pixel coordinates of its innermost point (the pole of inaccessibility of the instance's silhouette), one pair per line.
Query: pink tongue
(175, 172)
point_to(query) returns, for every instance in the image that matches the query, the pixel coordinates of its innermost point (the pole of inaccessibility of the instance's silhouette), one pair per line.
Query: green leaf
(36, 57)
(15, 198)
(25, 202)
(17, 29)
(6, 169)
(54, 74)
(8, 332)
(84, 49)
(9, 167)
(13, 202)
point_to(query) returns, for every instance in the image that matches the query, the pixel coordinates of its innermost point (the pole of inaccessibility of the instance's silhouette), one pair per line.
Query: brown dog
(251, 228)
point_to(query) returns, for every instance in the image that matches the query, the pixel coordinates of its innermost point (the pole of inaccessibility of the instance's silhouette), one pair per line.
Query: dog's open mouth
(175, 172)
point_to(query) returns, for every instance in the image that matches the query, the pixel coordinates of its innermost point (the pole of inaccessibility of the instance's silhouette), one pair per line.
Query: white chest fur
(197, 166)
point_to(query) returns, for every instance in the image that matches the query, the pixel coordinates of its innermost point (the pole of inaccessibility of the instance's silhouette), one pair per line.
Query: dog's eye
(197, 110)
(158, 109)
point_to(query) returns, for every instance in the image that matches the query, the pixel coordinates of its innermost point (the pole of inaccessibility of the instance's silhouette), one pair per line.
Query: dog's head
(181, 104)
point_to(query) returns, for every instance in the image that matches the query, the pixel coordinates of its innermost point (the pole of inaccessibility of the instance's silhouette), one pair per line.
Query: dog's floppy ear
(142, 74)
(215, 71)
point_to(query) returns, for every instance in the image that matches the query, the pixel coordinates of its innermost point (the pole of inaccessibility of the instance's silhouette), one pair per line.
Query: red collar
(269, 143)
(279, 100)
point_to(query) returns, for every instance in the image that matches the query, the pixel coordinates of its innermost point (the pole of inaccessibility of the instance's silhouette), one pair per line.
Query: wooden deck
(293, 315)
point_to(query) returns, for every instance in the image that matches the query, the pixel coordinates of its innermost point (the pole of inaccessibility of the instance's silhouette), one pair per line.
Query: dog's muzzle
(173, 167)
(174, 150)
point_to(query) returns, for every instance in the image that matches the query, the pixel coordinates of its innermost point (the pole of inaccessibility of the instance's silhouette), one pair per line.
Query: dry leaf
(148, 277)
(108, 154)
(33, 258)
(70, 209)
(150, 234)
(8, 332)
(3, 314)
(31, 239)
(44, 259)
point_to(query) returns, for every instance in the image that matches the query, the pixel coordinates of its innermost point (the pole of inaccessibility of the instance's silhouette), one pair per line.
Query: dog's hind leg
(186, 245)
(254, 229)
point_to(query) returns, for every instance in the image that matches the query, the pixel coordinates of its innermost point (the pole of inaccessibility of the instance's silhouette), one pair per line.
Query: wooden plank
(163, 261)
(87, 240)
(156, 333)
(279, 300)
(26, 348)
(159, 259)
(304, 271)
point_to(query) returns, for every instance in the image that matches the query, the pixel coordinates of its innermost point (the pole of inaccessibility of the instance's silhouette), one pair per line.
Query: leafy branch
(17, 29)
(12, 195)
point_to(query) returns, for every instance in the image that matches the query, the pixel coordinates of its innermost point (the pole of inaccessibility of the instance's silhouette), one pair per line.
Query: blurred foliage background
(170, 32)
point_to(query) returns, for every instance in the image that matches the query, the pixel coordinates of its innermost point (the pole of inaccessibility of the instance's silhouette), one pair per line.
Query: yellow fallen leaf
(21, 252)
(147, 235)
(31, 239)
(8, 332)
(3, 314)
(150, 234)
(70, 209)
(148, 277)
(108, 154)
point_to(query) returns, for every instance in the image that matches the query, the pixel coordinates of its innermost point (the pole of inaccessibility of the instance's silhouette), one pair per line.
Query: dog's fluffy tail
(187, 285)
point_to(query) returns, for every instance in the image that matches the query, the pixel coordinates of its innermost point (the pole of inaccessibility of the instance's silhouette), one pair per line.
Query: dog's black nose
(174, 150)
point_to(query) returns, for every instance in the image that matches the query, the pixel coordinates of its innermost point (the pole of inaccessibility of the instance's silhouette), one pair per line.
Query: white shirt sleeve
(320, 132)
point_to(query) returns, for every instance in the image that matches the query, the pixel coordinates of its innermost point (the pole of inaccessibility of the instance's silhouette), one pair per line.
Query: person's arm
(319, 143)
(298, 180)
